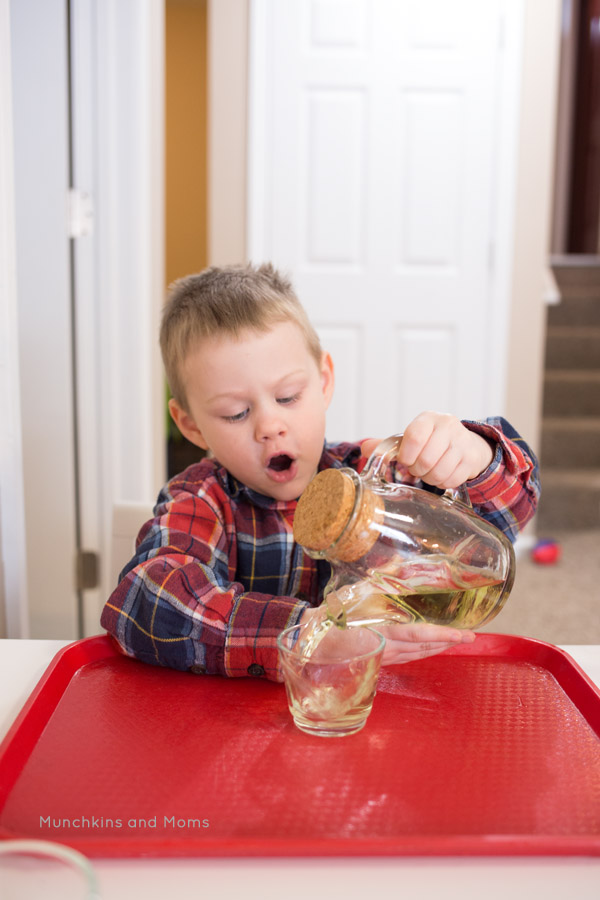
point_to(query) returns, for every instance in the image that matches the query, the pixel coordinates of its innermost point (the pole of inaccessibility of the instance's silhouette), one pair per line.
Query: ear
(186, 425)
(327, 377)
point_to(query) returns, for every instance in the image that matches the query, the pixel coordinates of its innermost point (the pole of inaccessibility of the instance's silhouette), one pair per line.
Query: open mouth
(280, 463)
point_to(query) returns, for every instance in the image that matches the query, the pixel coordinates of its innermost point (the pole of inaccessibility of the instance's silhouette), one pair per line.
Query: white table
(495, 878)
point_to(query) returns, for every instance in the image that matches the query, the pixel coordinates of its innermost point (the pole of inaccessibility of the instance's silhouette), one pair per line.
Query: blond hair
(226, 300)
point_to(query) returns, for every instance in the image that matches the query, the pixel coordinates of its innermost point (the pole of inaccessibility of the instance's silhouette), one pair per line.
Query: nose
(269, 423)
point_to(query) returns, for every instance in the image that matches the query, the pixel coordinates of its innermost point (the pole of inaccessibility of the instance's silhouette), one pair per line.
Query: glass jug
(400, 553)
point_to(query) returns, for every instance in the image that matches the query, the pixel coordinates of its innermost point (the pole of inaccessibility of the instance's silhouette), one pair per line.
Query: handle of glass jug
(385, 452)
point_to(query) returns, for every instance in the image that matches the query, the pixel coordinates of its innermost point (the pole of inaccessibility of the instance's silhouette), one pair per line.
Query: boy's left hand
(438, 449)
(418, 640)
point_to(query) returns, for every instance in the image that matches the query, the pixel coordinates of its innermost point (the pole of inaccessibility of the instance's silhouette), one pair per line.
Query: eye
(238, 417)
(287, 400)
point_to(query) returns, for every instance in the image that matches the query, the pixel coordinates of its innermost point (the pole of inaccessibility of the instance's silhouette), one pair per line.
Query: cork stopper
(324, 511)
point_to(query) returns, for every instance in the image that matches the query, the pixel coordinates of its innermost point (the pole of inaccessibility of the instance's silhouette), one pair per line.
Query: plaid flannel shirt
(217, 575)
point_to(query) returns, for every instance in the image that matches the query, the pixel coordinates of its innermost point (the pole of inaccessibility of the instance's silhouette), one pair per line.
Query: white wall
(533, 212)
(227, 132)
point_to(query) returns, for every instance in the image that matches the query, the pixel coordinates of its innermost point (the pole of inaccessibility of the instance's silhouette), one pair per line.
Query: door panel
(344, 343)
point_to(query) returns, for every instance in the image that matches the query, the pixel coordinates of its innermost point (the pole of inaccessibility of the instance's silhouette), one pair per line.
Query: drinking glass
(331, 684)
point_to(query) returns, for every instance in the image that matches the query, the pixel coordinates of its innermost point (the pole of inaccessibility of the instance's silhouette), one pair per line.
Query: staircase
(570, 446)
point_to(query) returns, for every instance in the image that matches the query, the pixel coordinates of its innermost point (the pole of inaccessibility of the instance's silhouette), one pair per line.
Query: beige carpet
(557, 603)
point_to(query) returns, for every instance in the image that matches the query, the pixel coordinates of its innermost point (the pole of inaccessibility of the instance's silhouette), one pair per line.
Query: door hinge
(80, 213)
(87, 570)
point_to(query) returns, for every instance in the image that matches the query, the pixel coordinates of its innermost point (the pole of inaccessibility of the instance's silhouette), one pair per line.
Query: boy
(217, 575)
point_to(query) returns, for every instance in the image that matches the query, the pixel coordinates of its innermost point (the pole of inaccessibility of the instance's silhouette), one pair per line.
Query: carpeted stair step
(569, 347)
(570, 501)
(572, 392)
(571, 442)
(575, 311)
(577, 276)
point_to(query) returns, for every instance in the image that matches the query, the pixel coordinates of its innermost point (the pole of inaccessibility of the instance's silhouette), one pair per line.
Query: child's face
(259, 404)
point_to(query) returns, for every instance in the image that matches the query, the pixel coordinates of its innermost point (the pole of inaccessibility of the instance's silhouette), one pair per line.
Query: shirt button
(198, 670)
(256, 670)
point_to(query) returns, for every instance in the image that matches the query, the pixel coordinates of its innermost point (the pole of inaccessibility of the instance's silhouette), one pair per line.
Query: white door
(87, 79)
(372, 180)
(41, 166)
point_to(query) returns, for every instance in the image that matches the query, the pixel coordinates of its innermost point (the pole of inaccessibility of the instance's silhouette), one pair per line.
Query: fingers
(367, 447)
(425, 632)
(430, 447)
(439, 449)
(393, 656)
(405, 643)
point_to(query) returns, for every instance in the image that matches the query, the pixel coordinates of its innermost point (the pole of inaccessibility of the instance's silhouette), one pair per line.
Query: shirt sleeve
(507, 492)
(177, 603)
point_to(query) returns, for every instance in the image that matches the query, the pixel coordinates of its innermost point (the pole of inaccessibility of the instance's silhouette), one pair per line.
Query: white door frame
(119, 159)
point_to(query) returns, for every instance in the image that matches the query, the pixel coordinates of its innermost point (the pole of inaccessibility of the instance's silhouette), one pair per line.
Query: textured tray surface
(468, 752)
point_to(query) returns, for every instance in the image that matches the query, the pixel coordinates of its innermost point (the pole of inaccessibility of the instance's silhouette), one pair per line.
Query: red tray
(492, 748)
